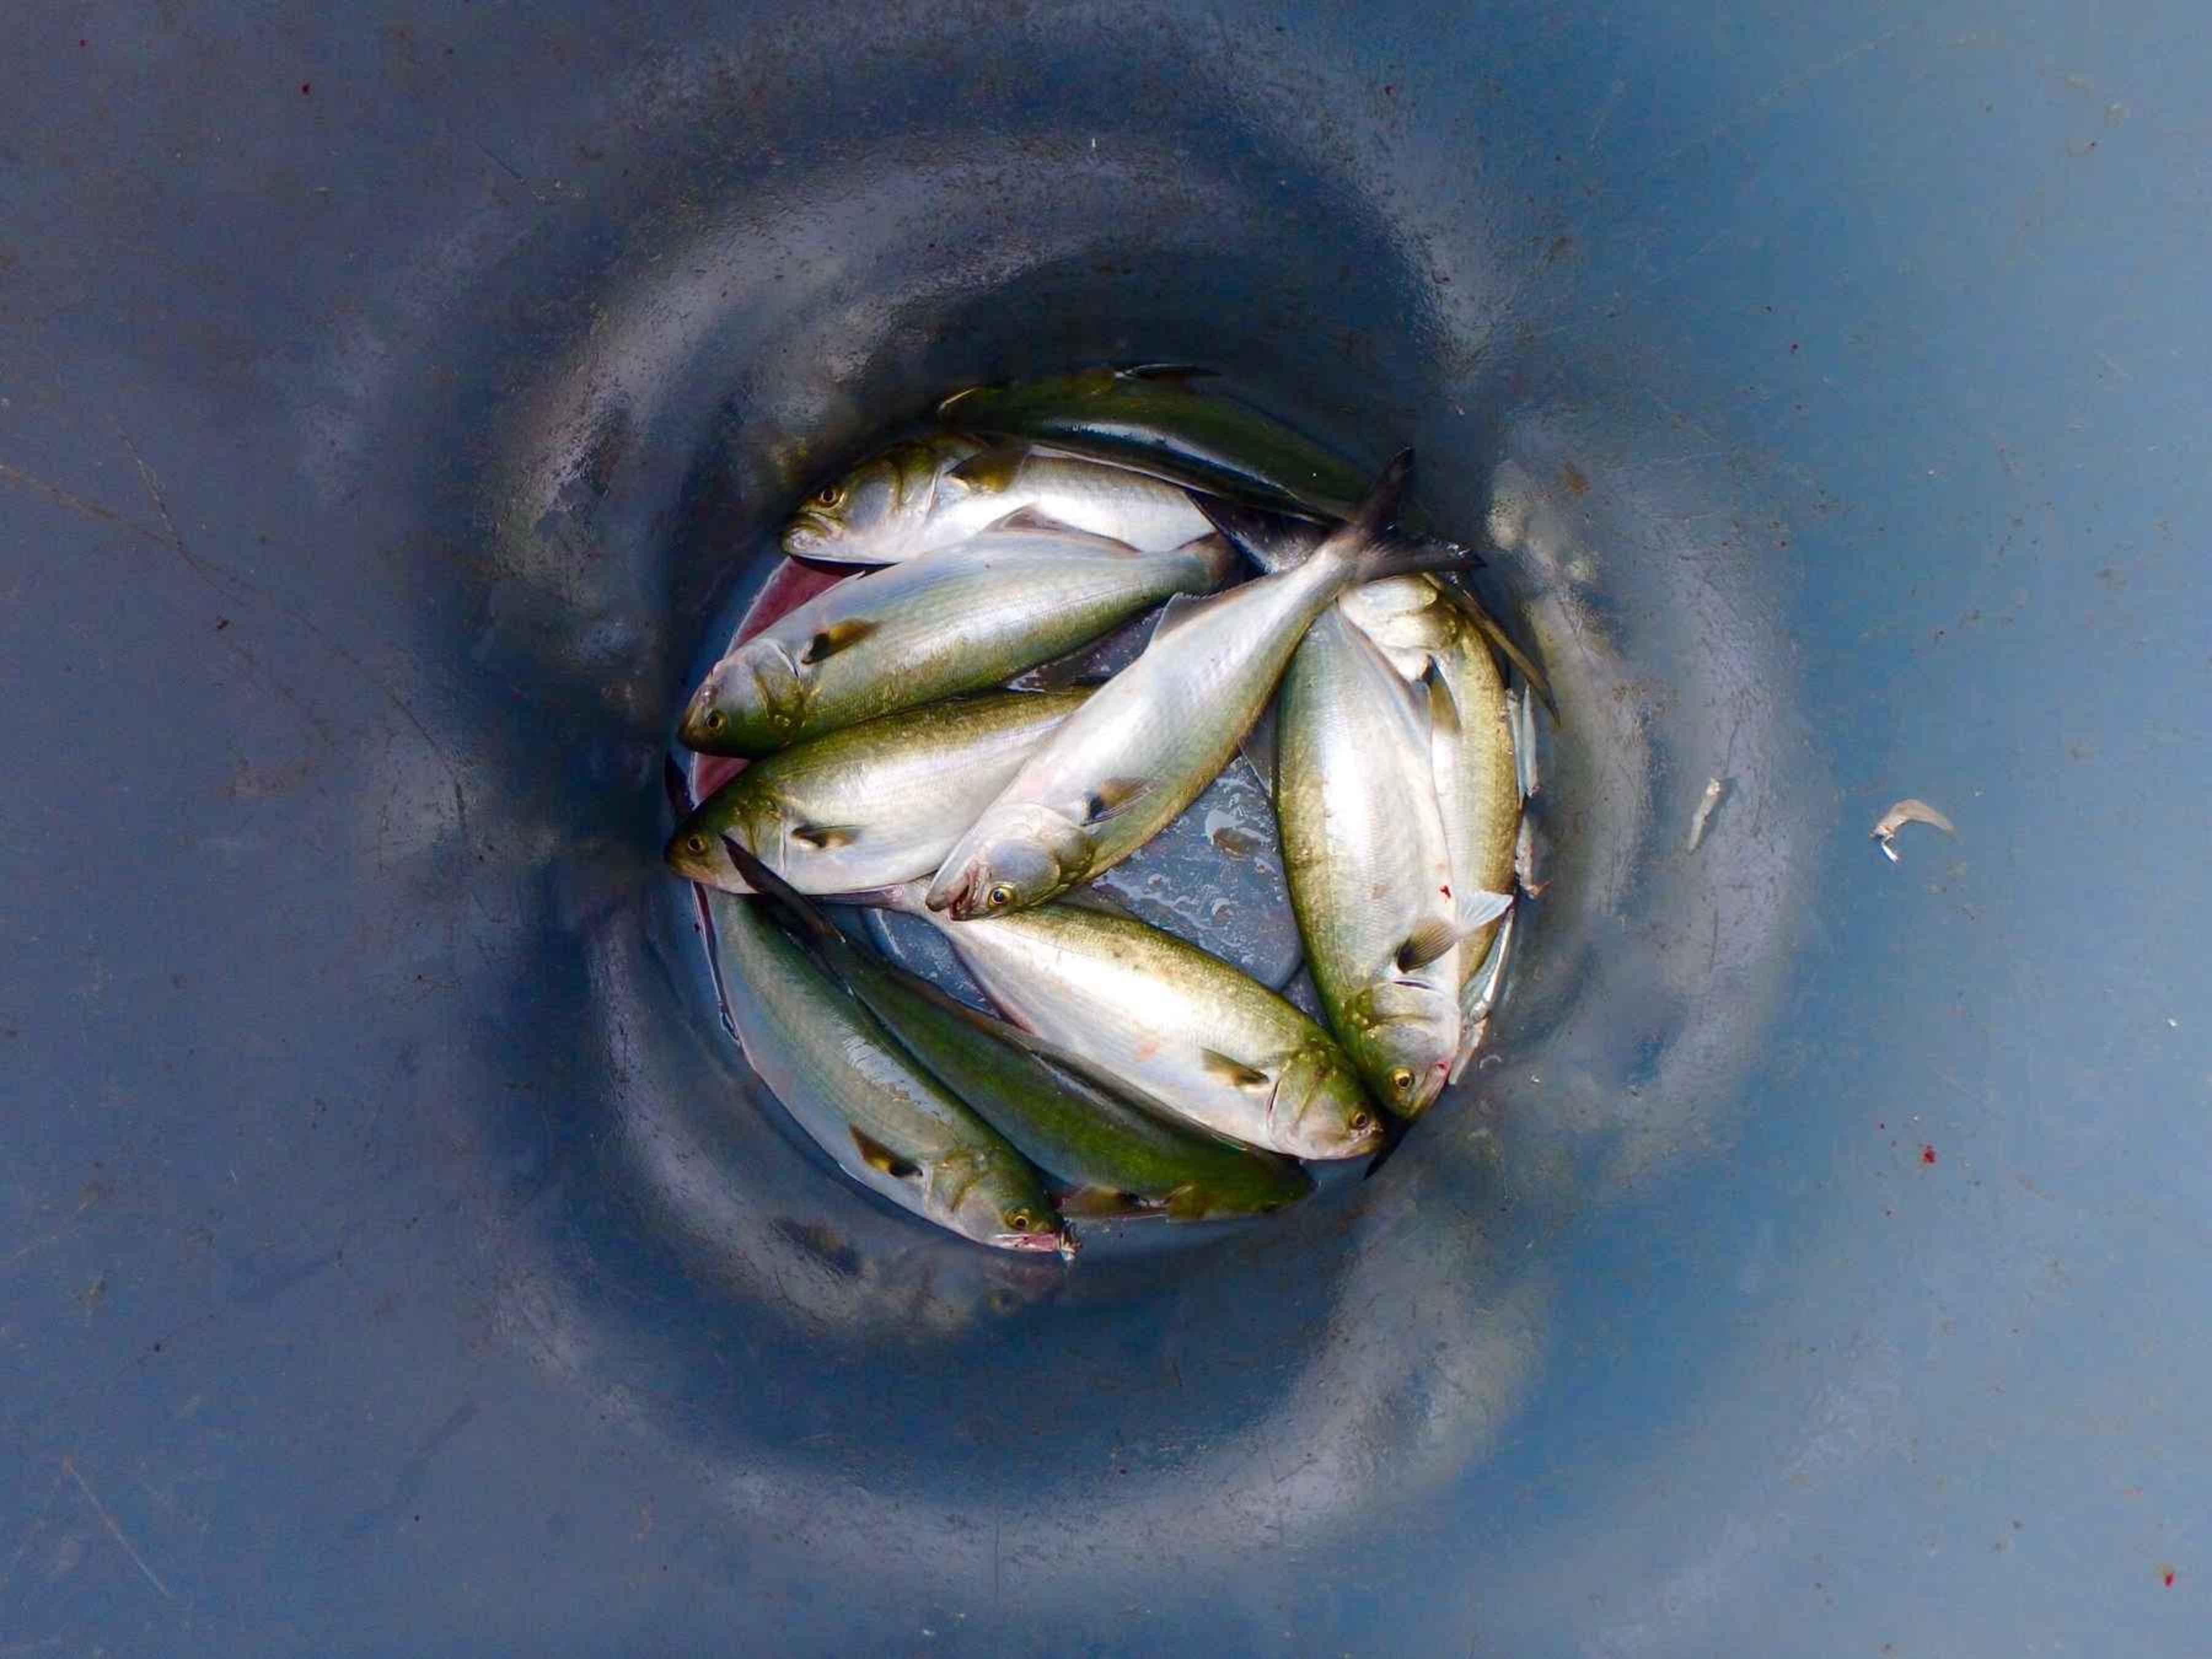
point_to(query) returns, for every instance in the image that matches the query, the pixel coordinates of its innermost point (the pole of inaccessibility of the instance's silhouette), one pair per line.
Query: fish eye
(1018, 1221)
(1361, 1118)
(829, 495)
(1000, 897)
(1400, 1078)
(696, 845)
(715, 720)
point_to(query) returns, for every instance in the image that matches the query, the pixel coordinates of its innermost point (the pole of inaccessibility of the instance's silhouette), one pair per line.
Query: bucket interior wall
(393, 1252)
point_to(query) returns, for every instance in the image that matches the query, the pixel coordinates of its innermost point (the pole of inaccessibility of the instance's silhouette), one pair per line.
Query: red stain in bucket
(2165, 1576)
(304, 85)
(1927, 1154)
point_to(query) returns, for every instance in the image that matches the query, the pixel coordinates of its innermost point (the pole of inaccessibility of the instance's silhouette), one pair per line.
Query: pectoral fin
(1428, 941)
(825, 837)
(990, 472)
(1234, 1072)
(834, 638)
(1471, 912)
(1477, 909)
(881, 1158)
(1113, 797)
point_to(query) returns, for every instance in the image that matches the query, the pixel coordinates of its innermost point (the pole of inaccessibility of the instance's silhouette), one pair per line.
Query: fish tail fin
(1398, 555)
(1272, 541)
(1367, 542)
(1377, 511)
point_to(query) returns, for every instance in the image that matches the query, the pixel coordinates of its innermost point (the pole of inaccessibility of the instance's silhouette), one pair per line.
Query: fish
(1440, 637)
(1120, 1154)
(1122, 766)
(880, 802)
(862, 1097)
(961, 618)
(1153, 417)
(1369, 863)
(1164, 1018)
(915, 497)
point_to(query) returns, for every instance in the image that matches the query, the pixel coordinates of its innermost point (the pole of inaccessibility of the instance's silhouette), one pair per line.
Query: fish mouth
(954, 895)
(806, 531)
(1061, 1244)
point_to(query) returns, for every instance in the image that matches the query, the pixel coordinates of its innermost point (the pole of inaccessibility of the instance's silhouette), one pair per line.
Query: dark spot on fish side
(304, 86)
(1572, 479)
(221, 623)
(1927, 1154)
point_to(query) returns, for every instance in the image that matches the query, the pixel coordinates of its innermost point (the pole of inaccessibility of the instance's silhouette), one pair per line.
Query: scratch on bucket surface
(114, 1531)
(1908, 811)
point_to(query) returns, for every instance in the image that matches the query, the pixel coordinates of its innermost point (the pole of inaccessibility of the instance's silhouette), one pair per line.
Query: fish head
(995, 1198)
(873, 508)
(1403, 1033)
(698, 851)
(1009, 862)
(749, 703)
(1318, 1109)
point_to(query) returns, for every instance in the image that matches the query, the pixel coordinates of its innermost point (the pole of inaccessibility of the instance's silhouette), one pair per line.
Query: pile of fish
(1126, 1071)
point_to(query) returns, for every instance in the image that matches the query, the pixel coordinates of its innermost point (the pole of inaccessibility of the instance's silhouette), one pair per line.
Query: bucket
(395, 1255)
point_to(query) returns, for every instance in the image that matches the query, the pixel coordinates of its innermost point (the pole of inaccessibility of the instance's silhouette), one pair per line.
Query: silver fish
(955, 620)
(1177, 1024)
(1155, 734)
(869, 804)
(1369, 861)
(867, 1102)
(915, 497)
(1476, 759)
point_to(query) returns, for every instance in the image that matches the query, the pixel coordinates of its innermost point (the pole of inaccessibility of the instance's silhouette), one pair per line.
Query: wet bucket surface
(390, 1247)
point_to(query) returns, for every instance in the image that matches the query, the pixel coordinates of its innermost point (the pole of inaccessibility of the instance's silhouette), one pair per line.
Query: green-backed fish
(1117, 1153)
(1472, 725)
(1178, 1025)
(1151, 418)
(1369, 861)
(1440, 638)
(873, 803)
(915, 497)
(864, 1100)
(961, 618)
(1151, 738)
